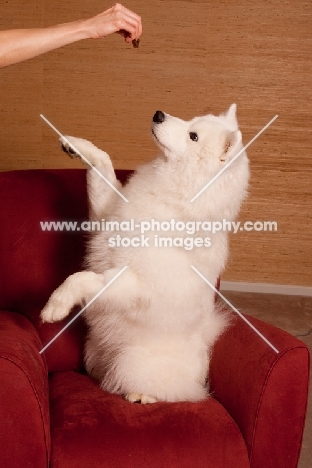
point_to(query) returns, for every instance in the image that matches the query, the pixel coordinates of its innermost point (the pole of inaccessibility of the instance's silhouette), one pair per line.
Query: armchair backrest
(34, 262)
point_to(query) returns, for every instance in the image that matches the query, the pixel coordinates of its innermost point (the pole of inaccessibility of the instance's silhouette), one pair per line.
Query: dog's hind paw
(140, 398)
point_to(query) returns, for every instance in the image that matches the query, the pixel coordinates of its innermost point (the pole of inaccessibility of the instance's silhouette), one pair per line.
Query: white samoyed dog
(152, 330)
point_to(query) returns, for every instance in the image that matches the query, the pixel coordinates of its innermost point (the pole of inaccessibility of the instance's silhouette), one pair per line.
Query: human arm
(17, 45)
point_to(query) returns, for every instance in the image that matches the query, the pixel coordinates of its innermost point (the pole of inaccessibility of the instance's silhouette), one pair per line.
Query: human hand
(116, 19)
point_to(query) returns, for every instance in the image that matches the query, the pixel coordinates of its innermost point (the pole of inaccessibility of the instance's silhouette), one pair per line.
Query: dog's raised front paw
(55, 310)
(140, 398)
(67, 148)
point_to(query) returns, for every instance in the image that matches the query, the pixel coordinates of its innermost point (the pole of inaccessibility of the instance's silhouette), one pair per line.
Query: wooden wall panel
(194, 57)
(20, 94)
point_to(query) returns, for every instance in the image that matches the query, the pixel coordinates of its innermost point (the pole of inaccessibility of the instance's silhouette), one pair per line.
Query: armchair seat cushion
(91, 428)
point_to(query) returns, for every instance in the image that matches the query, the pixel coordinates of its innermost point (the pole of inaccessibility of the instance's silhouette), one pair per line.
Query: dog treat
(136, 43)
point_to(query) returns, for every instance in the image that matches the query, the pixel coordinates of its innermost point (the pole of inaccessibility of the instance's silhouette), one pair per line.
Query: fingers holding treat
(116, 19)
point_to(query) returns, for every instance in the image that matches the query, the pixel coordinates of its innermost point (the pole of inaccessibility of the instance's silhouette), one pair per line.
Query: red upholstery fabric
(24, 395)
(93, 429)
(35, 262)
(264, 393)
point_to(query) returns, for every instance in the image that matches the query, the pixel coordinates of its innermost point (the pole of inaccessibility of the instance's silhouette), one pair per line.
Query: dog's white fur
(152, 330)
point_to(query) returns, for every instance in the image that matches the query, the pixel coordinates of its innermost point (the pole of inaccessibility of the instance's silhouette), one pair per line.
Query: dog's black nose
(159, 117)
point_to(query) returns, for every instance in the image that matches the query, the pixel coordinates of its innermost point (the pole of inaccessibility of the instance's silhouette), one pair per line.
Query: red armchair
(53, 414)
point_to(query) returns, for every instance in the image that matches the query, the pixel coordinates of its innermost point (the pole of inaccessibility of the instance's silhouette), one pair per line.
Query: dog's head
(209, 140)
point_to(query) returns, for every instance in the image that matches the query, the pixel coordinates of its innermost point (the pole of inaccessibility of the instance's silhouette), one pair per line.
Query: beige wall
(194, 57)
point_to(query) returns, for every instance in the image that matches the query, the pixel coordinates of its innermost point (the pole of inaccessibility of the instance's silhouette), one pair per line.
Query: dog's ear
(231, 114)
(231, 142)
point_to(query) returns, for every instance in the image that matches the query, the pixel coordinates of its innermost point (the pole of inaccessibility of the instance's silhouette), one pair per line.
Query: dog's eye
(193, 136)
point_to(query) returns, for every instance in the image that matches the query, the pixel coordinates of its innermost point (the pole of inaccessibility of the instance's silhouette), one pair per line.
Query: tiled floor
(294, 315)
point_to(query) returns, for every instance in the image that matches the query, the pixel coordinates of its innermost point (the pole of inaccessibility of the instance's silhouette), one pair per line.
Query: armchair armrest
(265, 393)
(24, 402)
